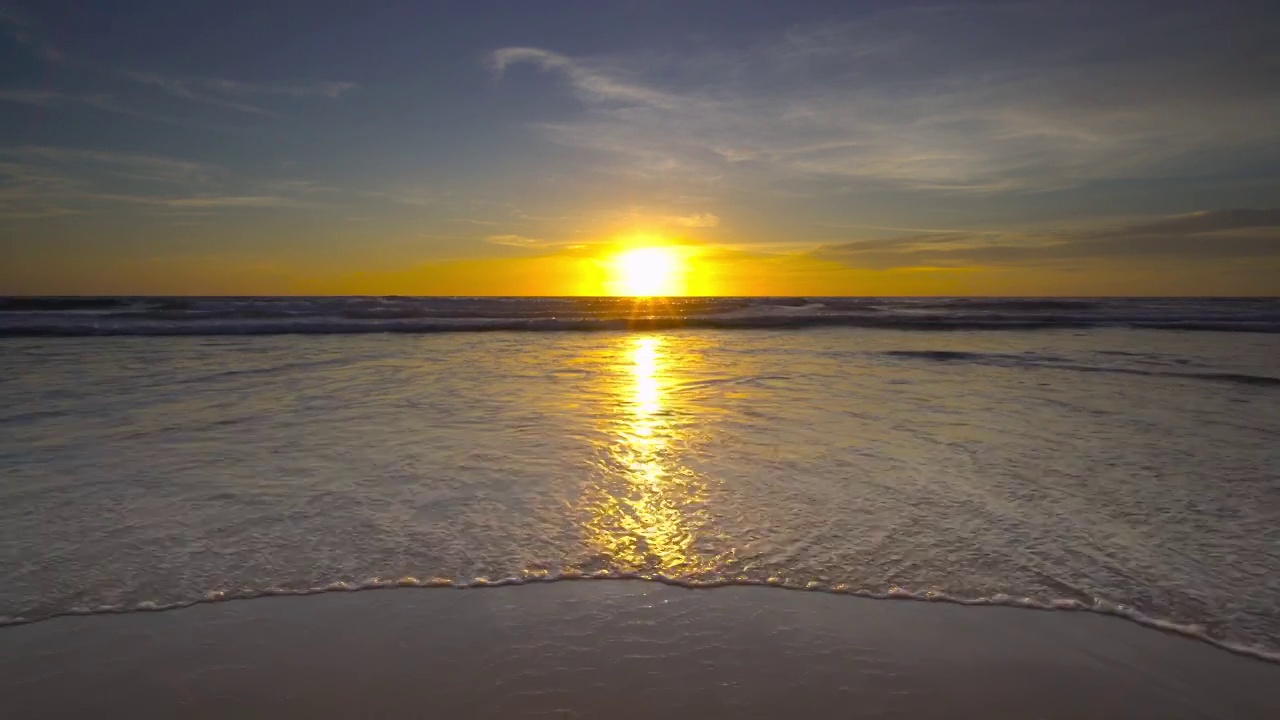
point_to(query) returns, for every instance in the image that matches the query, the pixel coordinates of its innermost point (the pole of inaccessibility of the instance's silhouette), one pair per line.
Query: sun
(647, 272)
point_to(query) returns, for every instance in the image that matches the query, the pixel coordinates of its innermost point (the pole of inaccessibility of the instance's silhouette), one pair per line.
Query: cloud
(218, 201)
(415, 196)
(26, 31)
(44, 181)
(1212, 221)
(39, 98)
(329, 89)
(47, 98)
(1233, 234)
(191, 87)
(126, 105)
(215, 93)
(518, 241)
(126, 165)
(737, 154)
(295, 186)
(592, 83)
(1029, 97)
(704, 220)
(183, 89)
(8, 212)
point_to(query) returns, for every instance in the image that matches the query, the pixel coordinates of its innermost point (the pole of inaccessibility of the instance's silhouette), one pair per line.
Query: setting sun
(647, 271)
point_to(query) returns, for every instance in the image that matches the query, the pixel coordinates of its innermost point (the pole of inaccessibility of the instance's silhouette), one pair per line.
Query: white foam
(1099, 606)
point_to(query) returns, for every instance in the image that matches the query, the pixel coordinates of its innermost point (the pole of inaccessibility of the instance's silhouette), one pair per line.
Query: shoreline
(624, 649)
(1189, 632)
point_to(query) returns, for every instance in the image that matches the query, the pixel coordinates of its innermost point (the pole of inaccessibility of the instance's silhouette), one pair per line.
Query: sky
(512, 148)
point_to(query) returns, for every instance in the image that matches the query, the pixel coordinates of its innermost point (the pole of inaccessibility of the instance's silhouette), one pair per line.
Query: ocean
(1111, 456)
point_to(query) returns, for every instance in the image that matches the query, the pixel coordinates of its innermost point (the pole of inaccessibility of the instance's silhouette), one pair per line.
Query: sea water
(1116, 456)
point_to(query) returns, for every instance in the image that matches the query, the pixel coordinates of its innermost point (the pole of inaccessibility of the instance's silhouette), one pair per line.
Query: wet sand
(618, 649)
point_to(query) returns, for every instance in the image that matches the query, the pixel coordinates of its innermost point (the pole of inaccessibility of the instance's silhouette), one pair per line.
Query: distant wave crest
(1042, 361)
(73, 317)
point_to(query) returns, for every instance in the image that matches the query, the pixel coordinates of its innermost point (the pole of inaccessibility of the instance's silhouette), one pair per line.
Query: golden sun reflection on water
(645, 509)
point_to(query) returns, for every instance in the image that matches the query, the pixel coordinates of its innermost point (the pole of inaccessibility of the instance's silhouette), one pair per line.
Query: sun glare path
(647, 510)
(647, 272)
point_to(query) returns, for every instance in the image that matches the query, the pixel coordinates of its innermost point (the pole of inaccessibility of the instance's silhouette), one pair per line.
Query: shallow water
(618, 650)
(1133, 471)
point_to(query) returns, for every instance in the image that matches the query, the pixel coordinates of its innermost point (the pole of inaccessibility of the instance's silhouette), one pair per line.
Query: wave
(80, 317)
(1054, 363)
(55, 304)
(1238, 378)
(998, 304)
(1098, 605)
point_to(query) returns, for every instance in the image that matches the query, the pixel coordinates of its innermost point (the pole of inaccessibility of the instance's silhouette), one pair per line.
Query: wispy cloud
(224, 93)
(48, 98)
(27, 212)
(327, 88)
(41, 182)
(28, 192)
(119, 104)
(216, 201)
(26, 31)
(183, 89)
(412, 195)
(1211, 235)
(701, 220)
(595, 82)
(902, 100)
(1197, 223)
(127, 165)
(518, 241)
(40, 98)
(299, 187)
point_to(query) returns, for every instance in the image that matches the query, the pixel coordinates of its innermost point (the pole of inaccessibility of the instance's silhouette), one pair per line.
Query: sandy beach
(619, 649)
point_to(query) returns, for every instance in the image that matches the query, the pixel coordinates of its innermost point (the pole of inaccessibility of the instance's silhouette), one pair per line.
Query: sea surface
(1117, 456)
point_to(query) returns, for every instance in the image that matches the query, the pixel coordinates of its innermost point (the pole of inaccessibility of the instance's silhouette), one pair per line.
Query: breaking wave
(1098, 605)
(1033, 360)
(71, 317)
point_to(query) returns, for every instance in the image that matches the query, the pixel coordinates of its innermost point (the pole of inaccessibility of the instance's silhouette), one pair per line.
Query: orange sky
(705, 269)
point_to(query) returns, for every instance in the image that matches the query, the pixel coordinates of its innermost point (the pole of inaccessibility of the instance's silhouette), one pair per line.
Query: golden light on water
(645, 508)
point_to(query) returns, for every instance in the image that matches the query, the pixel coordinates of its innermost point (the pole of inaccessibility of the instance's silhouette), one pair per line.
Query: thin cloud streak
(903, 101)
(213, 92)
(518, 241)
(701, 220)
(219, 92)
(182, 89)
(328, 89)
(44, 182)
(25, 31)
(98, 101)
(1231, 234)
(149, 167)
(592, 84)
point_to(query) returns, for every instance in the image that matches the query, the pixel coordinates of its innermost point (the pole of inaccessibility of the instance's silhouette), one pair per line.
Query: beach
(622, 649)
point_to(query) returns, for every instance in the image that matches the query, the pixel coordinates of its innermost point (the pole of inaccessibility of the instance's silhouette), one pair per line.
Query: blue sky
(989, 148)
